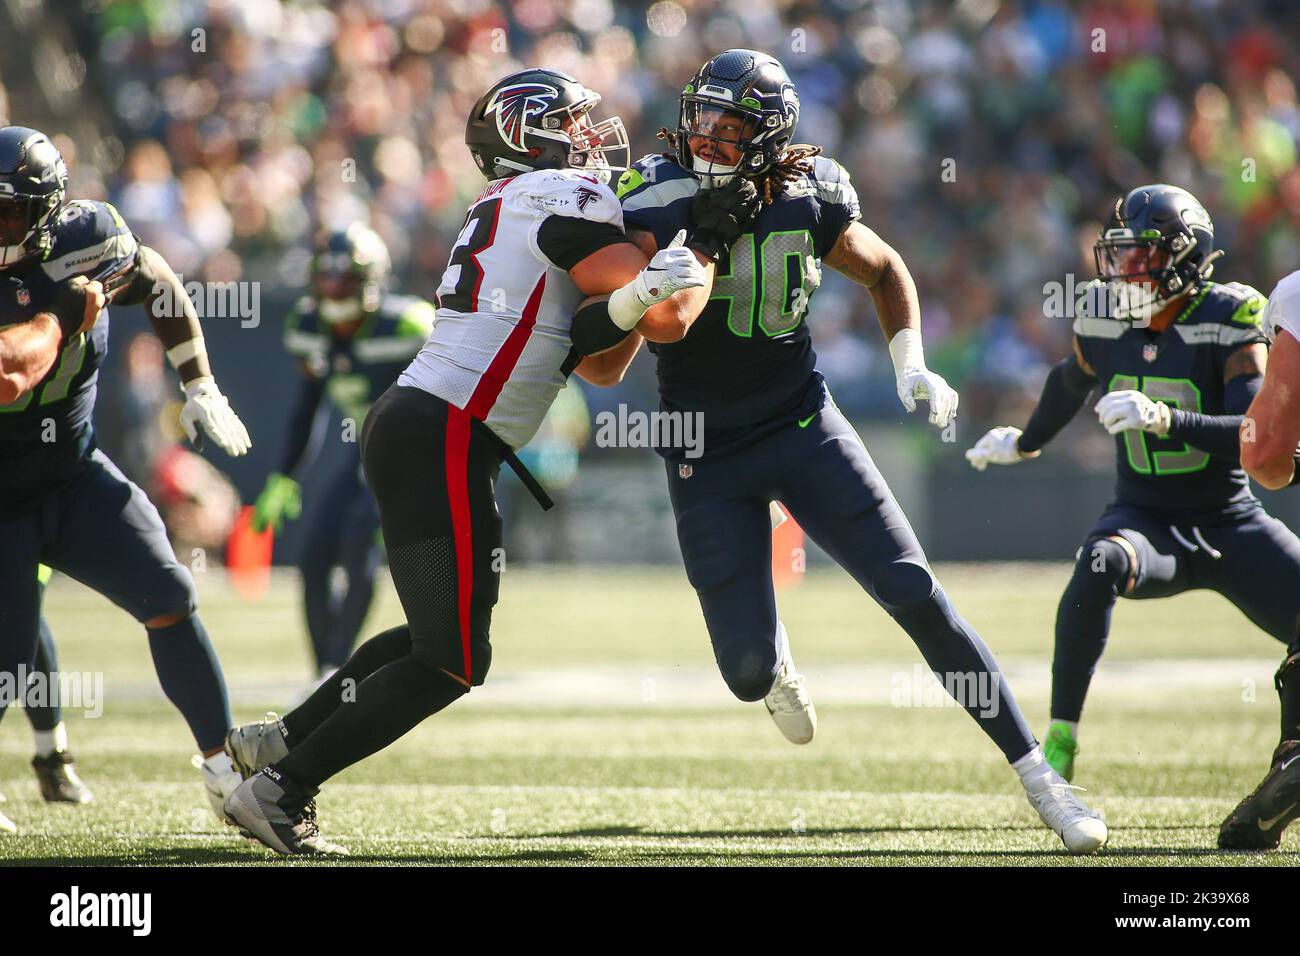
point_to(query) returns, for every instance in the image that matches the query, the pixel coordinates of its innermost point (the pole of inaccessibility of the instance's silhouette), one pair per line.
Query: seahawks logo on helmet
(514, 105)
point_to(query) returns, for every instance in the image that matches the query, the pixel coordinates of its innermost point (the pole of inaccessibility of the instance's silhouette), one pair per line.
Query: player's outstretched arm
(1270, 430)
(172, 315)
(868, 260)
(29, 349)
(1064, 392)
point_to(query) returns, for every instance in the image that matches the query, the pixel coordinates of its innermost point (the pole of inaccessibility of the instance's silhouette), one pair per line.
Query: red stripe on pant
(462, 529)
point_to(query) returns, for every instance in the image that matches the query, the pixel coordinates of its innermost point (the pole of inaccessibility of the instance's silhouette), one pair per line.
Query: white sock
(219, 763)
(51, 741)
(1033, 768)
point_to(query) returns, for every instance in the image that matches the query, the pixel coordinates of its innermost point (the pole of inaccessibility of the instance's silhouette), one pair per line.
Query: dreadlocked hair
(793, 162)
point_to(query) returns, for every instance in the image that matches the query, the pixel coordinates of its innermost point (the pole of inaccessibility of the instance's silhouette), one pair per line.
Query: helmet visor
(716, 135)
(1132, 260)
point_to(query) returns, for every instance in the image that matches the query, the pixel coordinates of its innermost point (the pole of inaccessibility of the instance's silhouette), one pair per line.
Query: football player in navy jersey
(351, 338)
(1177, 359)
(62, 501)
(771, 430)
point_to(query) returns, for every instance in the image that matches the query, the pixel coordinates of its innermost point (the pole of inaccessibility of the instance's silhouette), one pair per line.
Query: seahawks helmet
(348, 273)
(1157, 245)
(541, 119)
(33, 185)
(740, 101)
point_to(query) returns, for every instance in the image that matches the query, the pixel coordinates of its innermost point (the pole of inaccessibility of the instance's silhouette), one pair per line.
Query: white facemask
(335, 311)
(713, 175)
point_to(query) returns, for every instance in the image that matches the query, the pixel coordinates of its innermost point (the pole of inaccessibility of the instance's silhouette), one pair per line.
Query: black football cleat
(57, 776)
(1259, 820)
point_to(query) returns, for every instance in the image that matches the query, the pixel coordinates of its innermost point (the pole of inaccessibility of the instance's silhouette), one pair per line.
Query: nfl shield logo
(685, 471)
(1149, 352)
(24, 295)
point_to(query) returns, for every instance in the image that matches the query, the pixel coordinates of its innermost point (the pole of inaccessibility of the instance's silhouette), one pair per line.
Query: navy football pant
(823, 474)
(101, 530)
(1254, 563)
(343, 532)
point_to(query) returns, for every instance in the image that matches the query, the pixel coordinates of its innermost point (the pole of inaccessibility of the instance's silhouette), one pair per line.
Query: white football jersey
(505, 310)
(1283, 308)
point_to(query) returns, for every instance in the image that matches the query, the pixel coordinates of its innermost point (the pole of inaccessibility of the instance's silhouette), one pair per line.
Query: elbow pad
(593, 330)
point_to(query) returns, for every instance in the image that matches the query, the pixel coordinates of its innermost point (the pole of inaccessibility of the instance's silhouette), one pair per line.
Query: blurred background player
(352, 338)
(512, 325)
(771, 429)
(56, 771)
(1179, 360)
(62, 501)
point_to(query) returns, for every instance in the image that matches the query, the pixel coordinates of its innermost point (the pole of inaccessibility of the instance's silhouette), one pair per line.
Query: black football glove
(68, 305)
(721, 216)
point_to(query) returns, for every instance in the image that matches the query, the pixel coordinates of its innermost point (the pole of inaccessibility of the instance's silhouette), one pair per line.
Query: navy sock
(191, 678)
(47, 662)
(1083, 623)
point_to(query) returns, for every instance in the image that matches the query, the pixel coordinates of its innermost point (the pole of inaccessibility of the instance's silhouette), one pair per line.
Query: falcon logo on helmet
(515, 105)
(541, 119)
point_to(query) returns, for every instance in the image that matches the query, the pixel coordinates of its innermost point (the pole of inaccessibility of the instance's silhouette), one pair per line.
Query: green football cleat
(1059, 748)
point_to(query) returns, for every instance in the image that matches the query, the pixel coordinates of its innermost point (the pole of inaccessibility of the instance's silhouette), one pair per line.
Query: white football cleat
(252, 747)
(1080, 829)
(218, 785)
(788, 702)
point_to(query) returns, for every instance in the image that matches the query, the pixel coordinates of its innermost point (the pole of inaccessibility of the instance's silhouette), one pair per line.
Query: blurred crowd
(987, 138)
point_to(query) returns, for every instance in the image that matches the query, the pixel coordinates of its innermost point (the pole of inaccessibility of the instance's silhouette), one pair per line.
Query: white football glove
(998, 446)
(207, 409)
(672, 269)
(916, 382)
(1131, 410)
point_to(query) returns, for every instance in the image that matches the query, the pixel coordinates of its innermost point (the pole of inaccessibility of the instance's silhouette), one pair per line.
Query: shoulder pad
(568, 192)
(1089, 322)
(303, 335)
(89, 237)
(1249, 303)
(648, 169)
(659, 182)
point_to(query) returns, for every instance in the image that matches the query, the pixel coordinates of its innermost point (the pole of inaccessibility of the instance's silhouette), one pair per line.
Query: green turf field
(605, 735)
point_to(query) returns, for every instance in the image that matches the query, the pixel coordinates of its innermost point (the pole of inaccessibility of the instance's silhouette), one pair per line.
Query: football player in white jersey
(1271, 428)
(541, 282)
(1270, 432)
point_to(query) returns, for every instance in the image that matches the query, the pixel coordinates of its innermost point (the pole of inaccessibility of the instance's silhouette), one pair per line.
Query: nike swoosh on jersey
(805, 422)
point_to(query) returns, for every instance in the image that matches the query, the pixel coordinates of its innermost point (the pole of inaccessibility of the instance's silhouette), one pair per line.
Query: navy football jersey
(748, 362)
(47, 435)
(358, 370)
(1182, 367)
